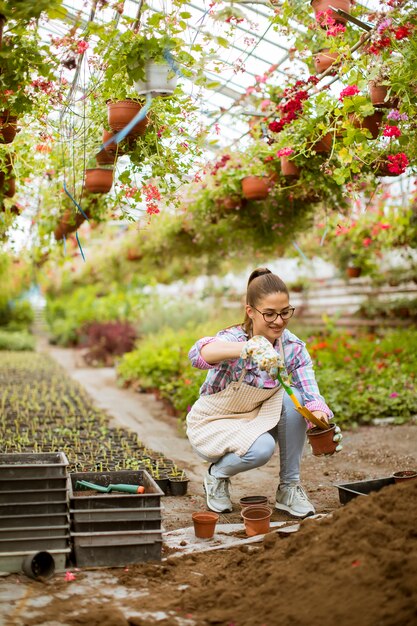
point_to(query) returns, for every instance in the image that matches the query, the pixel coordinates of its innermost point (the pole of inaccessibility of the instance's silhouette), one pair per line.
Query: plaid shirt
(297, 361)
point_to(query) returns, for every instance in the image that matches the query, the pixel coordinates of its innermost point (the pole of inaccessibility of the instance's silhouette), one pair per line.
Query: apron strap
(281, 350)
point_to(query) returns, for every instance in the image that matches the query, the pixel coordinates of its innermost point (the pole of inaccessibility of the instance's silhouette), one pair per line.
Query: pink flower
(265, 104)
(366, 242)
(82, 46)
(394, 394)
(69, 576)
(350, 90)
(391, 131)
(285, 152)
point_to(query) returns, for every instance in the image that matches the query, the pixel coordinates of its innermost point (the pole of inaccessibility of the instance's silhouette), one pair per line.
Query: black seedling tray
(348, 491)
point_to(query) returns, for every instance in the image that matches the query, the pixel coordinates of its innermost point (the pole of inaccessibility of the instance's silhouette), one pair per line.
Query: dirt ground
(358, 564)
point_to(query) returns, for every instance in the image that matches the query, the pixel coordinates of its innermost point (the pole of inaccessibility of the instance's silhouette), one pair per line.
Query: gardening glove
(338, 438)
(263, 354)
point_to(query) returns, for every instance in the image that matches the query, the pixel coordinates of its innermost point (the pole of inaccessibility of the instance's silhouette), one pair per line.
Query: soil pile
(357, 567)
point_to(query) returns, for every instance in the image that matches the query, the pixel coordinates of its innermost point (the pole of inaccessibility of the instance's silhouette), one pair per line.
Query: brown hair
(261, 283)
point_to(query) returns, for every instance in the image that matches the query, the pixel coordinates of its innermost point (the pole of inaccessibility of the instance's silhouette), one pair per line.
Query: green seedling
(110, 488)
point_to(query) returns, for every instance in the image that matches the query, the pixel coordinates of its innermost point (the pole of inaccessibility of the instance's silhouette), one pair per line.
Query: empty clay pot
(253, 501)
(204, 524)
(321, 441)
(400, 477)
(257, 520)
(39, 565)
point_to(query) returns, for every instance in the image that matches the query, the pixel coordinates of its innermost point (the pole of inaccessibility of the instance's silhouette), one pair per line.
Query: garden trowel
(101, 489)
(303, 410)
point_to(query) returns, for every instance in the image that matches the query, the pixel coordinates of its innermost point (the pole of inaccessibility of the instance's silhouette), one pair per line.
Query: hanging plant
(98, 179)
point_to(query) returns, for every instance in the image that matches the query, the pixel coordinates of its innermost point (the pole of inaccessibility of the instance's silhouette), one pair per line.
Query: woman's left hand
(321, 415)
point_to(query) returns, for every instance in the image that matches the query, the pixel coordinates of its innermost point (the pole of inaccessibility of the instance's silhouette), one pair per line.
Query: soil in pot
(257, 520)
(122, 112)
(255, 187)
(247, 501)
(98, 180)
(404, 475)
(321, 441)
(205, 524)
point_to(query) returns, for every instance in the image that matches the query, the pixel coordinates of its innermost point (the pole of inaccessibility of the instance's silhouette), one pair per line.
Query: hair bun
(260, 271)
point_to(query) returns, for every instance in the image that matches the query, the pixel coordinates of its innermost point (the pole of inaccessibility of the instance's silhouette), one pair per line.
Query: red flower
(397, 163)
(350, 90)
(366, 242)
(403, 31)
(391, 131)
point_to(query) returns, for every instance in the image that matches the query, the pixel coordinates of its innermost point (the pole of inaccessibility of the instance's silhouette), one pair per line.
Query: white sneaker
(293, 499)
(217, 492)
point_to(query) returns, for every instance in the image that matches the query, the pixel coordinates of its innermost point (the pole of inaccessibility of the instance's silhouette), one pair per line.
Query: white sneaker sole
(284, 507)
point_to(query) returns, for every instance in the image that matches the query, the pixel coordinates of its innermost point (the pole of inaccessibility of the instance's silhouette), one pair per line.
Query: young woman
(242, 410)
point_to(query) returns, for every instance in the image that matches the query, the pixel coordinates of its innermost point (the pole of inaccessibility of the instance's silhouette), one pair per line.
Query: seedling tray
(11, 562)
(104, 520)
(151, 497)
(116, 549)
(348, 491)
(33, 465)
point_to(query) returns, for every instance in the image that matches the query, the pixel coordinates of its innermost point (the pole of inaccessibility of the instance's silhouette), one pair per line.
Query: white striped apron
(232, 419)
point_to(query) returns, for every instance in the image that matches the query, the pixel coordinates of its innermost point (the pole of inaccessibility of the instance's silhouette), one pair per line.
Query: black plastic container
(348, 491)
(116, 549)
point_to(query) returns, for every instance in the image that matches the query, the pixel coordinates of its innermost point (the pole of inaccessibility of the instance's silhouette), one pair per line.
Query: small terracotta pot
(401, 477)
(121, 113)
(353, 272)
(257, 520)
(248, 501)
(98, 180)
(324, 6)
(289, 168)
(378, 95)
(8, 127)
(204, 524)
(321, 441)
(105, 157)
(324, 59)
(370, 122)
(255, 187)
(324, 144)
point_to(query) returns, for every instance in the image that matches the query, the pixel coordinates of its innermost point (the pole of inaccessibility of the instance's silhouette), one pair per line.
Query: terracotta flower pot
(122, 112)
(370, 122)
(70, 221)
(324, 59)
(320, 6)
(289, 168)
(134, 255)
(379, 96)
(381, 169)
(353, 271)
(257, 520)
(205, 524)
(324, 144)
(405, 475)
(248, 501)
(8, 127)
(255, 187)
(105, 157)
(230, 203)
(321, 441)
(98, 180)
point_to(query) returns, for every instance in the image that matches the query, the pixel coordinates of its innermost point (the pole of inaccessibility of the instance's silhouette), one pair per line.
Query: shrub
(16, 315)
(19, 340)
(107, 340)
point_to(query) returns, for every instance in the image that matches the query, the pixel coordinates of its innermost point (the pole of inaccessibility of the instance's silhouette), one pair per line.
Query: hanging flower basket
(160, 80)
(229, 203)
(255, 187)
(289, 169)
(353, 272)
(120, 113)
(323, 59)
(370, 122)
(323, 6)
(8, 127)
(70, 221)
(324, 144)
(133, 254)
(98, 180)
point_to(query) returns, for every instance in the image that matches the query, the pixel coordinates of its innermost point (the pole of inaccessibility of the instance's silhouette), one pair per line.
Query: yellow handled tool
(303, 410)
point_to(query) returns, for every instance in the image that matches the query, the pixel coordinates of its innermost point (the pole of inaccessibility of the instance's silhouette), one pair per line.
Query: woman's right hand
(262, 352)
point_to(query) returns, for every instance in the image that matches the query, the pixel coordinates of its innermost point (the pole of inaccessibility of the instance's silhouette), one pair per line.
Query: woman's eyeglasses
(271, 316)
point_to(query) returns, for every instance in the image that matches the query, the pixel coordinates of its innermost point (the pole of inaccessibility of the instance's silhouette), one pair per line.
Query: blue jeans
(290, 433)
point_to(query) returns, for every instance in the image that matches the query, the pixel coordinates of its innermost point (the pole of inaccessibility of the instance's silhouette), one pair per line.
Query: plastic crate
(34, 544)
(24, 497)
(116, 549)
(33, 508)
(151, 497)
(20, 521)
(28, 532)
(104, 520)
(33, 484)
(33, 465)
(348, 491)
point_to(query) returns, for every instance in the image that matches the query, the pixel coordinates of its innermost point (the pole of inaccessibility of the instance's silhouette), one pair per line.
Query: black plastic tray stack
(33, 508)
(115, 529)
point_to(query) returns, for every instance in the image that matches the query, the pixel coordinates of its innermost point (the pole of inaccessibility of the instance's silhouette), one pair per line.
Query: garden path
(369, 452)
